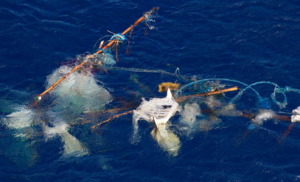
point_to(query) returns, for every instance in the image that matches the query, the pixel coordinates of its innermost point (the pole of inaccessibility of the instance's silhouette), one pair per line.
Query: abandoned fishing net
(79, 92)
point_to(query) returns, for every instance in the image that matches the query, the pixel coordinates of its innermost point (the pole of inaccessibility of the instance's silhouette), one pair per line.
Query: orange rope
(128, 29)
(117, 51)
(129, 38)
(288, 130)
(282, 138)
(36, 103)
(60, 80)
(146, 29)
(116, 116)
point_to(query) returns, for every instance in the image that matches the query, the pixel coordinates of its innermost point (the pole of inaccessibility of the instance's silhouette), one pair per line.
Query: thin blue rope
(217, 79)
(277, 90)
(283, 91)
(281, 105)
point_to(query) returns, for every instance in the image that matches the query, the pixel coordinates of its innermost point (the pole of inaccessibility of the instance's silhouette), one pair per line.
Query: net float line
(111, 43)
(60, 80)
(116, 116)
(129, 28)
(183, 98)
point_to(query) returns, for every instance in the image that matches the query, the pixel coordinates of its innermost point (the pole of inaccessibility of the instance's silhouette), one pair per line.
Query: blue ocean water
(247, 41)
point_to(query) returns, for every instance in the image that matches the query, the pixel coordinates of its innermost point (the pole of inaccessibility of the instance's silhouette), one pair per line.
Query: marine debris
(157, 110)
(96, 58)
(78, 98)
(163, 87)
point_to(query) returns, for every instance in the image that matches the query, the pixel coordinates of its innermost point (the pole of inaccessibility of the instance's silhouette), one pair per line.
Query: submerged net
(80, 93)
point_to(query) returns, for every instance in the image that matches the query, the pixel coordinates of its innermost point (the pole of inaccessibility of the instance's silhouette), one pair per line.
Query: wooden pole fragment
(183, 98)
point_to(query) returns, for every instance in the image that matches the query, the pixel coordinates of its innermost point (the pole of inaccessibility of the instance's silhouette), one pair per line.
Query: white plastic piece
(71, 145)
(296, 115)
(157, 110)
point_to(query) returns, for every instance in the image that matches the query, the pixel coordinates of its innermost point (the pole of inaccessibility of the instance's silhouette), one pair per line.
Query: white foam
(71, 145)
(79, 90)
(263, 116)
(296, 115)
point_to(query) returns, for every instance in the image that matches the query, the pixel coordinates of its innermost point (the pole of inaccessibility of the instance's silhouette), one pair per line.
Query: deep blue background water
(244, 40)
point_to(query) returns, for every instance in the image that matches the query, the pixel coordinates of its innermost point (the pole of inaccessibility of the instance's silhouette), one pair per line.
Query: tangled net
(75, 87)
(101, 57)
(104, 60)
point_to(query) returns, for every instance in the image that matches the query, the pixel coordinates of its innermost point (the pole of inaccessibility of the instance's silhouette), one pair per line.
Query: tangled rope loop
(219, 79)
(150, 13)
(283, 91)
(280, 104)
(148, 19)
